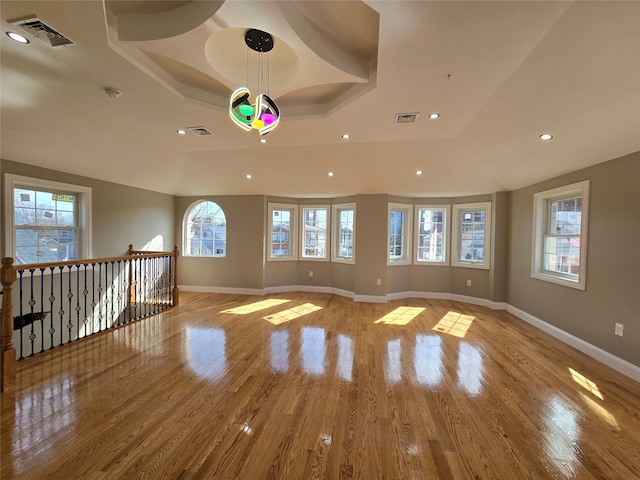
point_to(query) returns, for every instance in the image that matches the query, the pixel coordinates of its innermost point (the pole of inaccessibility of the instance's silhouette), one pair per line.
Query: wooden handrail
(9, 274)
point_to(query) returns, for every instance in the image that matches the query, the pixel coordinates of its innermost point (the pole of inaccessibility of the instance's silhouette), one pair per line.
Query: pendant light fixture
(262, 115)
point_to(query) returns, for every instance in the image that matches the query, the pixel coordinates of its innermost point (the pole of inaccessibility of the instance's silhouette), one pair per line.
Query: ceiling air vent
(406, 117)
(200, 131)
(42, 31)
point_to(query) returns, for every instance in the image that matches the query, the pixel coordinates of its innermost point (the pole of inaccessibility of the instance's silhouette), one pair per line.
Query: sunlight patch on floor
(400, 316)
(586, 383)
(256, 306)
(599, 410)
(454, 323)
(292, 313)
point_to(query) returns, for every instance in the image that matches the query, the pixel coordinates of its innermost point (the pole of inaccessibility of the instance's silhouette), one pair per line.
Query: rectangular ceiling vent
(406, 117)
(42, 31)
(200, 131)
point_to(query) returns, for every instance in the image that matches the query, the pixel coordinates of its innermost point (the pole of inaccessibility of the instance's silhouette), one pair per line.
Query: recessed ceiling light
(263, 140)
(330, 174)
(17, 37)
(182, 132)
(346, 136)
(546, 136)
(249, 177)
(434, 115)
(419, 172)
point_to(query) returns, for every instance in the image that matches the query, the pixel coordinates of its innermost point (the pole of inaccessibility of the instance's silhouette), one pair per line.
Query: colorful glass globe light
(268, 118)
(257, 124)
(246, 109)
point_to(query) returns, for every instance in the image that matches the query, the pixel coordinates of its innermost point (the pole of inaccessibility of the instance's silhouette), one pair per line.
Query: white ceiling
(499, 73)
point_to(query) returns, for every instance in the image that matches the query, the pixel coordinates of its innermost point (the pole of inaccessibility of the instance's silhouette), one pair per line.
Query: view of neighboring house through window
(472, 229)
(314, 232)
(431, 234)
(399, 243)
(282, 225)
(46, 225)
(344, 218)
(560, 223)
(46, 221)
(205, 230)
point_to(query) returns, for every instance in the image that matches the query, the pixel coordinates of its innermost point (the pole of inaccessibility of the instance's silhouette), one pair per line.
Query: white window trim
(335, 235)
(12, 181)
(540, 200)
(445, 234)
(327, 256)
(185, 221)
(455, 240)
(407, 234)
(293, 234)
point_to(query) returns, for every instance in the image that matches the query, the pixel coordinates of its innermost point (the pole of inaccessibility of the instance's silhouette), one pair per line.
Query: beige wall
(613, 260)
(120, 214)
(123, 215)
(244, 265)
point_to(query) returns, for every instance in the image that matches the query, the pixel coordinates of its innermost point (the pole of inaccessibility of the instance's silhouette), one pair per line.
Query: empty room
(377, 240)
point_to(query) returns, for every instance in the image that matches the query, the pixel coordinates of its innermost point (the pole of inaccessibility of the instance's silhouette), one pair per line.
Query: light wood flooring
(307, 386)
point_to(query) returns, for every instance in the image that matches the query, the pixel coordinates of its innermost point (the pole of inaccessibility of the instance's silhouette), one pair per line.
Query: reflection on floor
(305, 386)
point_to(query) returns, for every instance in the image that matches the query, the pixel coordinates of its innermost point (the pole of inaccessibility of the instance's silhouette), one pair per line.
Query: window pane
(206, 230)
(396, 234)
(431, 235)
(46, 245)
(314, 232)
(565, 216)
(472, 235)
(562, 255)
(345, 240)
(281, 229)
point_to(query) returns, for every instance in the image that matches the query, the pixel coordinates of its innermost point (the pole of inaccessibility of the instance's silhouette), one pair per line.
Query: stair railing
(49, 305)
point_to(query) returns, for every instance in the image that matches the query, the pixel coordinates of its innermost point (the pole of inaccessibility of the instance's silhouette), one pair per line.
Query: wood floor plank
(304, 386)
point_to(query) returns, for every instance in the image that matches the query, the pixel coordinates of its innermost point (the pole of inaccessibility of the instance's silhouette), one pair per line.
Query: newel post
(176, 291)
(8, 277)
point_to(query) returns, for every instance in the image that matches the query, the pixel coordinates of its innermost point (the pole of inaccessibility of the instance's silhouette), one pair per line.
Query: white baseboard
(617, 363)
(630, 370)
(239, 291)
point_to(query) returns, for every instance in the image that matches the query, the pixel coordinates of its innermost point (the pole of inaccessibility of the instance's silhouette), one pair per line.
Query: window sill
(558, 280)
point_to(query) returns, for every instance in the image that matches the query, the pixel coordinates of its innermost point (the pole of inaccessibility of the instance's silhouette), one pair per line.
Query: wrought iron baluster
(100, 296)
(78, 308)
(119, 290)
(85, 292)
(113, 296)
(42, 309)
(61, 312)
(93, 298)
(52, 298)
(32, 302)
(70, 314)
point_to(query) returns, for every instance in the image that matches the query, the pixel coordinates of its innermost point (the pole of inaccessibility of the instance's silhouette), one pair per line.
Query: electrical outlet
(468, 283)
(378, 282)
(619, 329)
(311, 273)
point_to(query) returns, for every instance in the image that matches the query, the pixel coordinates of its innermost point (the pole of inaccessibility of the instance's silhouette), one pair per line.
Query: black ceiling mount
(258, 40)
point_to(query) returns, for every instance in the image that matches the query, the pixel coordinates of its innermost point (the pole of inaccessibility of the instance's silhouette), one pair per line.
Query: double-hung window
(315, 223)
(47, 221)
(344, 233)
(431, 234)
(472, 235)
(560, 235)
(282, 231)
(399, 238)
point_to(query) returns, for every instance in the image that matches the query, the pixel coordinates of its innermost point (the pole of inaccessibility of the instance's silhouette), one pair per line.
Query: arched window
(205, 230)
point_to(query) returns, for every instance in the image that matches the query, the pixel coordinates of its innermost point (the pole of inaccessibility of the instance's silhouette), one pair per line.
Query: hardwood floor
(305, 386)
